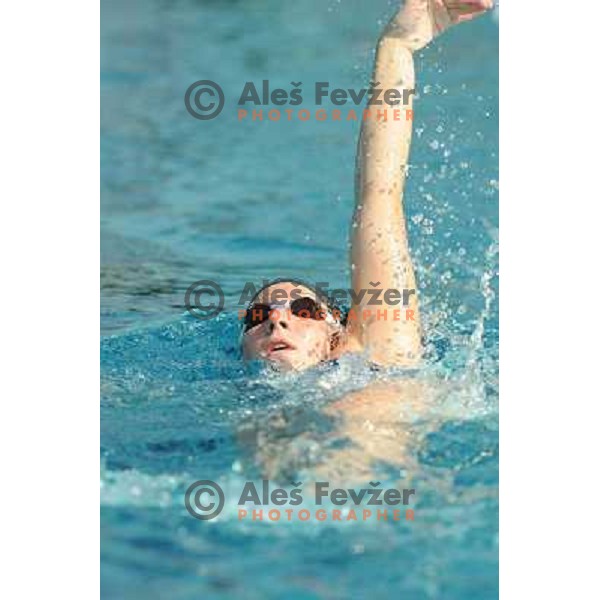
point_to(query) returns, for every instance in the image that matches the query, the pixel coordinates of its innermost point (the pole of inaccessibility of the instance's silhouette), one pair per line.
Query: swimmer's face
(284, 340)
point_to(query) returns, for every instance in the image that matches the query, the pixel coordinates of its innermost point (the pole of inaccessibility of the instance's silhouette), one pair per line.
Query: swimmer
(376, 423)
(289, 325)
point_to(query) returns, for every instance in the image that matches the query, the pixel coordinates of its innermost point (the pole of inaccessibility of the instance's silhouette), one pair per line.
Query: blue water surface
(184, 200)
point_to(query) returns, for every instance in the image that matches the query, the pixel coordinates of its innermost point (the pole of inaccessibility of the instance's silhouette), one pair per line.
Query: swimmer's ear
(335, 339)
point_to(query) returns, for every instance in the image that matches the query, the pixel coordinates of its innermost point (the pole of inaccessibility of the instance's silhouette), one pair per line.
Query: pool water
(184, 200)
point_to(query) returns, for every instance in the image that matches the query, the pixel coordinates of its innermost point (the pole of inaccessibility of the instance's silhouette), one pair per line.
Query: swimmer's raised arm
(380, 254)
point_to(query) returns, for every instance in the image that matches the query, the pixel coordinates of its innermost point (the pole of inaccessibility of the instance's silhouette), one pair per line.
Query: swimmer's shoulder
(378, 361)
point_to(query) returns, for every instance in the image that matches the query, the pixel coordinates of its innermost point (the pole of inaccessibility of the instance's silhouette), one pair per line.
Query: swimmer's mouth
(278, 346)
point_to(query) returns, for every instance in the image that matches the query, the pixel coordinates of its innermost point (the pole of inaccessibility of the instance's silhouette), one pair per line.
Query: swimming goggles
(305, 308)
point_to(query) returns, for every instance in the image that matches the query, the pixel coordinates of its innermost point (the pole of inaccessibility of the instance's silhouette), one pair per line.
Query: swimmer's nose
(279, 318)
(274, 324)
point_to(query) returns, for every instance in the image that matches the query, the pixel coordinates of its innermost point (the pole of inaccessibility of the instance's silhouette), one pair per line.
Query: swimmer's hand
(419, 21)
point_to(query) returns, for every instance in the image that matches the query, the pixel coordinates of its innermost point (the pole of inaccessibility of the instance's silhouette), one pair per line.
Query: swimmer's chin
(284, 362)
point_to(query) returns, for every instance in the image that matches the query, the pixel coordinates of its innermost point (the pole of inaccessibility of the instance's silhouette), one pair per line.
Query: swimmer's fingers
(420, 21)
(453, 12)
